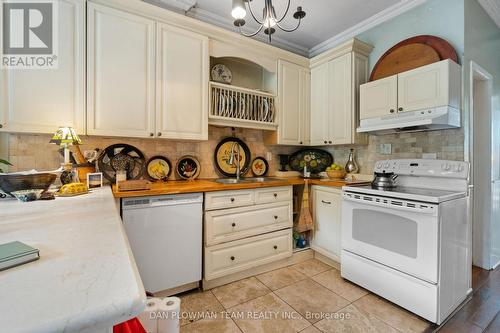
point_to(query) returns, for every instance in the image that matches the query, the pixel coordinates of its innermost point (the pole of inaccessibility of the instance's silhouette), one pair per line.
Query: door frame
(477, 74)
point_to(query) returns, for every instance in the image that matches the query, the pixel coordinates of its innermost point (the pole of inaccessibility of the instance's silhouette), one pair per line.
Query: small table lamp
(65, 137)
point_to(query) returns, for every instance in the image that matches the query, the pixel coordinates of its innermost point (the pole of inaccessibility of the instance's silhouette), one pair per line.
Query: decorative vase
(351, 166)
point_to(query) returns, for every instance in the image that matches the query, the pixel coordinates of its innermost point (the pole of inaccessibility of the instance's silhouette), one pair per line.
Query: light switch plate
(430, 156)
(386, 149)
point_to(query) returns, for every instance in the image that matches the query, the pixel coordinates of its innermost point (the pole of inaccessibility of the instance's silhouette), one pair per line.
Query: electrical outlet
(386, 149)
(269, 156)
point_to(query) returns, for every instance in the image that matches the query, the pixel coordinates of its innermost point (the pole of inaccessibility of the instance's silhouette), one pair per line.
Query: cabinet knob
(159, 133)
(275, 247)
(330, 142)
(232, 258)
(232, 199)
(400, 109)
(391, 111)
(326, 142)
(151, 134)
(275, 217)
(233, 224)
(275, 195)
(1, 126)
(299, 142)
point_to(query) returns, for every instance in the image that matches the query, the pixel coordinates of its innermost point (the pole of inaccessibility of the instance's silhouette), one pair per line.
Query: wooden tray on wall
(412, 53)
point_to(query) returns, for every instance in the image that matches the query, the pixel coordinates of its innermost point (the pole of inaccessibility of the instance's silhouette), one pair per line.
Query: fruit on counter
(334, 167)
(73, 189)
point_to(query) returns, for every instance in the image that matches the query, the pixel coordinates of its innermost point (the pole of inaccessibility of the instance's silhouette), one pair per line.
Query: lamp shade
(66, 136)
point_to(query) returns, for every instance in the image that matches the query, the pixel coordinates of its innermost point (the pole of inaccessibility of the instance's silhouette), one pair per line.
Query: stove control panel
(429, 168)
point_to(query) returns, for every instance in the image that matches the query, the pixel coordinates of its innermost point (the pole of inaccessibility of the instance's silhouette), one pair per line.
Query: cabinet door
(327, 218)
(39, 101)
(182, 95)
(120, 73)
(292, 86)
(319, 105)
(340, 100)
(379, 98)
(424, 87)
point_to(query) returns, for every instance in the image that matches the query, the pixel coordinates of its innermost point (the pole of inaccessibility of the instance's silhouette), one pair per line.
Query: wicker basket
(336, 174)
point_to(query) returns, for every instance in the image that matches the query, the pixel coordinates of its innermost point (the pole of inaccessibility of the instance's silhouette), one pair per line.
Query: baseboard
(294, 259)
(326, 260)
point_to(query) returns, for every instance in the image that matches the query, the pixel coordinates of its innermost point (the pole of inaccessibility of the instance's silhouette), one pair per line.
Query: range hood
(445, 117)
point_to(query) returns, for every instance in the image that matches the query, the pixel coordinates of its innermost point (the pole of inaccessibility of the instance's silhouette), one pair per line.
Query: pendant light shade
(239, 12)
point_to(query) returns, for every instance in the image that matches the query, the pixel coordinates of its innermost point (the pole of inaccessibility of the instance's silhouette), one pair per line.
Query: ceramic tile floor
(309, 297)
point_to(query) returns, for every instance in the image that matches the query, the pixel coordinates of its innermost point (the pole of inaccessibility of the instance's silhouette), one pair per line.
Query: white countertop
(86, 278)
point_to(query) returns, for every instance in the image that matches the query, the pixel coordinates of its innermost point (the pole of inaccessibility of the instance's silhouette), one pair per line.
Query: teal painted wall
(442, 18)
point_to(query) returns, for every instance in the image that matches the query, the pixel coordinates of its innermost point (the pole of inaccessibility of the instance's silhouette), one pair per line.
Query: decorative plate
(260, 166)
(316, 160)
(221, 73)
(121, 156)
(222, 155)
(188, 167)
(158, 168)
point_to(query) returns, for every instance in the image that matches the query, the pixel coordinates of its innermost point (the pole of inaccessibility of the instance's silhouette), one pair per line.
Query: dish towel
(130, 326)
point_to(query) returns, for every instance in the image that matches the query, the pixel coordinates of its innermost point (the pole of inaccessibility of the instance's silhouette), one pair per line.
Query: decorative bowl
(27, 195)
(17, 182)
(336, 174)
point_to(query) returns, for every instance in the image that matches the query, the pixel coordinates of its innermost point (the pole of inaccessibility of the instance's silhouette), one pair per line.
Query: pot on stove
(384, 180)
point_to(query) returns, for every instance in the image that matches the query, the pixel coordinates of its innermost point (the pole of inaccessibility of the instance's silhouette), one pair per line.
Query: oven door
(400, 234)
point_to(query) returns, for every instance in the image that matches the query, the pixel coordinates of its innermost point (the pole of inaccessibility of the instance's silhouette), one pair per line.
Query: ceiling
(328, 22)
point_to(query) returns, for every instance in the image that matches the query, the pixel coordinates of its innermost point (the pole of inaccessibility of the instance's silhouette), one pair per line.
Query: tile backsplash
(28, 151)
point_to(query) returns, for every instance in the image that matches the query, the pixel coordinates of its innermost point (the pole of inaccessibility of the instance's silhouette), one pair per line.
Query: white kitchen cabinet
(120, 73)
(426, 87)
(182, 92)
(335, 80)
(327, 204)
(430, 86)
(293, 104)
(379, 98)
(319, 104)
(39, 101)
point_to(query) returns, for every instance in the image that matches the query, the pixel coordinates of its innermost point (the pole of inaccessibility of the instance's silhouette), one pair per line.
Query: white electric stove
(411, 244)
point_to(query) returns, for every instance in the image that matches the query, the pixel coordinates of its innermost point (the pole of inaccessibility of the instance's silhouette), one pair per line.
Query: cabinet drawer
(232, 224)
(233, 257)
(273, 194)
(228, 199)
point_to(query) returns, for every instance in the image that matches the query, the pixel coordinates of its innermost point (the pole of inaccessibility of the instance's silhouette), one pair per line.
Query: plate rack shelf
(241, 107)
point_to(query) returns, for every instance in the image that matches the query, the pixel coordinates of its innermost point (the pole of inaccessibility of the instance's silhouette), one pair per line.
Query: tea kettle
(384, 180)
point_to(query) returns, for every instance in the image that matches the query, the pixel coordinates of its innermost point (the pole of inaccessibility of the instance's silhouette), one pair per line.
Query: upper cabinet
(431, 86)
(120, 73)
(182, 92)
(145, 78)
(335, 80)
(293, 104)
(41, 100)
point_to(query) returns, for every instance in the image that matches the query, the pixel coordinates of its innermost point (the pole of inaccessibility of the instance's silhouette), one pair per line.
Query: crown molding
(492, 7)
(226, 23)
(381, 17)
(177, 5)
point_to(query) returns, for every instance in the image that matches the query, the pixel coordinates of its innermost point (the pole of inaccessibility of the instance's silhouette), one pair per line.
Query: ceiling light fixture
(269, 19)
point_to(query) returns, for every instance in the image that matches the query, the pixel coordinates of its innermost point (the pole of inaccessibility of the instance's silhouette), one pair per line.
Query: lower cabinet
(327, 208)
(254, 234)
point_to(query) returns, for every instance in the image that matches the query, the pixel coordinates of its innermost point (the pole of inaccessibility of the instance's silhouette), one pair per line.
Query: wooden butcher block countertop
(210, 185)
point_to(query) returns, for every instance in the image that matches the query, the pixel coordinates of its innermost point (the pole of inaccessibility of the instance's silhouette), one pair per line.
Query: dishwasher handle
(162, 201)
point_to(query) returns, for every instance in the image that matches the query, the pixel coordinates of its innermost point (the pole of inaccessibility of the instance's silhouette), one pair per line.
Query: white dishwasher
(165, 234)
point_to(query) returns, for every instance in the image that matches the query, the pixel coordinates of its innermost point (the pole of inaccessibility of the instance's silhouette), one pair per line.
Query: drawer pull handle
(326, 202)
(275, 195)
(275, 217)
(233, 224)
(232, 199)
(275, 247)
(232, 258)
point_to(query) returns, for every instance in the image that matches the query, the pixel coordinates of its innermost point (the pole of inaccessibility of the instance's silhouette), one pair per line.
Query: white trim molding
(180, 5)
(381, 17)
(492, 7)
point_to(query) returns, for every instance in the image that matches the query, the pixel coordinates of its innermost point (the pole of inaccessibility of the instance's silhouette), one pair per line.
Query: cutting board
(413, 53)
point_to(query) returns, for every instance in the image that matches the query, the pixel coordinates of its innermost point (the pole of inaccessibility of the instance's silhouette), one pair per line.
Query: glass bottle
(351, 166)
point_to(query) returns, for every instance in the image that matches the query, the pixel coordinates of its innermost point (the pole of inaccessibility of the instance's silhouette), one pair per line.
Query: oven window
(388, 231)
